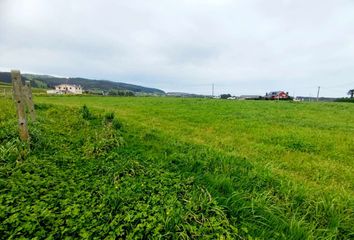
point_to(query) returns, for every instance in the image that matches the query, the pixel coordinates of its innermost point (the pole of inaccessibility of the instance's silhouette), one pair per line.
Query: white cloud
(245, 46)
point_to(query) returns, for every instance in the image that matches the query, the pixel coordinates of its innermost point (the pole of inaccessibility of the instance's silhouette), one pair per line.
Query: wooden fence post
(27, 92)
(19, 100)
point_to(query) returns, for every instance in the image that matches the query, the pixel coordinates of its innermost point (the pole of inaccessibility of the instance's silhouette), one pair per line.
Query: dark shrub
(85, 113)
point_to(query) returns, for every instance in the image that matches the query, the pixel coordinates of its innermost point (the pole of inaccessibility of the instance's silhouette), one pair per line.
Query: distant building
(277, 95)
(66, 89)
(249, 97)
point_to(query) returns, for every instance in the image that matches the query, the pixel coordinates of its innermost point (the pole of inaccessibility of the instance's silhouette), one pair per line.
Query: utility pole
(318, 93)
(212, 90)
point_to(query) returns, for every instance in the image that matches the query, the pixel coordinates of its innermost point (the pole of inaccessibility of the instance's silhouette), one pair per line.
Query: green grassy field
(179, 168)
(6, 89)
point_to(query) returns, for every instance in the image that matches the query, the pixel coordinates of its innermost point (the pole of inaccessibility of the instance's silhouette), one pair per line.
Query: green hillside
(5, 85)
(7, 88)
(46, 81)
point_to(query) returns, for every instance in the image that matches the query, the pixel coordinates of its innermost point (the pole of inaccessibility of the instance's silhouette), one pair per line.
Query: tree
(225, 96)
(351, 93)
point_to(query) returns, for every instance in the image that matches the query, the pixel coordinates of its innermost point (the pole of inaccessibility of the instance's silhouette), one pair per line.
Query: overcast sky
(243, 47)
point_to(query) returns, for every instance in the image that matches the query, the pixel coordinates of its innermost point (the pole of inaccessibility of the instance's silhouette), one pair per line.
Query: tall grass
(193, 168)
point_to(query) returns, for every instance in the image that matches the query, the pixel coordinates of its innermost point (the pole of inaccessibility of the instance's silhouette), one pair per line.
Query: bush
(225, 96)
(350, 100)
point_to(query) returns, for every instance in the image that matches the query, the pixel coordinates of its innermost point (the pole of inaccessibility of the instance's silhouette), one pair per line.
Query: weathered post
(27, 92)
(19, 100)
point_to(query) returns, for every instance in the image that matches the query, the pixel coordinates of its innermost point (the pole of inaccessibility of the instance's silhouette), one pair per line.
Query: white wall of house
(52, 91)
(68, 88)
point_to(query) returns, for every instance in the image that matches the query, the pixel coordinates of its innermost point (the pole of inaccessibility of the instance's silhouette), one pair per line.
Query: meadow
(178, 168)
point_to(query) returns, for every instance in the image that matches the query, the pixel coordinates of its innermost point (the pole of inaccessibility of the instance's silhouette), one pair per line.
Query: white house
(66, 89)
(53, 91)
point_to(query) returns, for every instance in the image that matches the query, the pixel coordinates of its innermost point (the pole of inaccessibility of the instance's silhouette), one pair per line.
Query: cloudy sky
(242, 46)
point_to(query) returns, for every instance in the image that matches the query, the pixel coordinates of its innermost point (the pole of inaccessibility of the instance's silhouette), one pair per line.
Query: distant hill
(46, 81)
(183, 94)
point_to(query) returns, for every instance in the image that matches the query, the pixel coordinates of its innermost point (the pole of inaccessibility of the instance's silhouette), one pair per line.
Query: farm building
(66, 89)
(277, 95)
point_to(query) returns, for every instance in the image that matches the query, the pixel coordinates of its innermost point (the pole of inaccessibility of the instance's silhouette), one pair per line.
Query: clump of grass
(116, 124)
(11, 151)
(110, 119)
(42, 106)
(85, 113)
